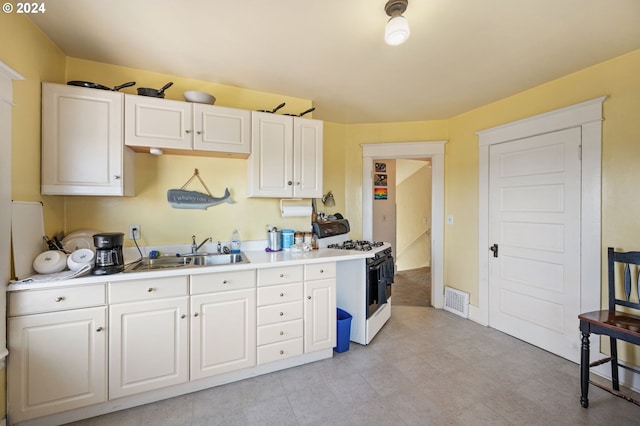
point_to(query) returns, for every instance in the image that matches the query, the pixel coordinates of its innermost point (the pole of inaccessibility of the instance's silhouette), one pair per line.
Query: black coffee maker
(109, 259)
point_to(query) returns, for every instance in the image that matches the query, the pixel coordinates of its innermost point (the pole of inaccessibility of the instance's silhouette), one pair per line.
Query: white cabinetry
(148, 338)
(280, 311)
(184, 126)
(223, 322)
(286, 156)
(320, 306)
(57, 347)
(83, 152)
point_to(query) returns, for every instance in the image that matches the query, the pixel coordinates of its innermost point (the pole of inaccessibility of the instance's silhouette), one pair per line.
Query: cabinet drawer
(279, 294)
(223, 281)
(156, 288)
(280, 350)
(280, 332)
(279, 313)
(320, 271)
(56, 299)
(283, 275)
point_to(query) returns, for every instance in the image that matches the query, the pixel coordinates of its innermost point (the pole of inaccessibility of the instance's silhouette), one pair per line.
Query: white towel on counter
(64, 275)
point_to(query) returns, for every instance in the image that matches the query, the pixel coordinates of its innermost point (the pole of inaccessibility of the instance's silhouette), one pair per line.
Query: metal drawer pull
(59, 299)
(150, 289)
(99, 329)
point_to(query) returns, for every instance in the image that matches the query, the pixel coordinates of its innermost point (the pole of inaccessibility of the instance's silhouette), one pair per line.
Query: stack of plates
(82, 239)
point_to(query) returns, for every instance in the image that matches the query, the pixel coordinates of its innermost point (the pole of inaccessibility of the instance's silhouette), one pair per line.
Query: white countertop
(257, 258)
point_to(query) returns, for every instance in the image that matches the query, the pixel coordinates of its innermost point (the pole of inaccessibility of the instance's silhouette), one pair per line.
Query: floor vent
(456, 301)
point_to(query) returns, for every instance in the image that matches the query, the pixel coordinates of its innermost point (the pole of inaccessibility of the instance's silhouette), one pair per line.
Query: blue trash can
(344, 331)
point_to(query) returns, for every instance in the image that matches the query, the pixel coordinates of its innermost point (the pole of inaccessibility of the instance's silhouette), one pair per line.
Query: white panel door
(148, 346)
(156, 122)
(534, 219)
(221, 129)
(223, 332)
(319, 315)
(307, 158)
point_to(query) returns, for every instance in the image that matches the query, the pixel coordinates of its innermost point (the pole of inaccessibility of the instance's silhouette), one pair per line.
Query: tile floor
(426, 367)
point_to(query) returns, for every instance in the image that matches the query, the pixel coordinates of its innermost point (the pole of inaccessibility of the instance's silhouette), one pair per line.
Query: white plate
(72, 244)
(50, 262)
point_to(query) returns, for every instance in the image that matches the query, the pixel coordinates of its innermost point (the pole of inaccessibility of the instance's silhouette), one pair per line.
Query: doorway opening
(428, 152)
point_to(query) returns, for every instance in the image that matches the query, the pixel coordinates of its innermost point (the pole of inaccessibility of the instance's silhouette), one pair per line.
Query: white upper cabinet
(286, 157)
(184, 126)
(82, 143)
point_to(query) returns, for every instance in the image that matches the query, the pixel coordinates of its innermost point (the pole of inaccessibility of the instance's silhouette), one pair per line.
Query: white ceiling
(461, 54)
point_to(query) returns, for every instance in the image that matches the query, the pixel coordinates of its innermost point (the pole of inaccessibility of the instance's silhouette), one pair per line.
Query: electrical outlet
(134, 232)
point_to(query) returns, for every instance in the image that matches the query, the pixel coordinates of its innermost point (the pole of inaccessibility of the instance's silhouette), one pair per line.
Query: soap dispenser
(235, 242)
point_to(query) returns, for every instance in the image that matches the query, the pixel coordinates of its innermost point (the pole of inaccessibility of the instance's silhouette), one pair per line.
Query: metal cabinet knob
(281, 314)
(281, 275)
(150, 290)
(183, 316)
(281, 294)
(309, 297)
(116, 177)
(99, 329)
(199, 132)
(297, 183)
(322, 271)
(225, 282)
(282, 333)
(187, 131)
(281, 352)
(59, 299)
(195, 315)
(289, 183)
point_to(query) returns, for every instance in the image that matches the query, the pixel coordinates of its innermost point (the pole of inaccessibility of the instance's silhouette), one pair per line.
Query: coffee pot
(109, 259)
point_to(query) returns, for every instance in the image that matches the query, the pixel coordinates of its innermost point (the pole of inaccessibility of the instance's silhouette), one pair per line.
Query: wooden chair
(615, 322)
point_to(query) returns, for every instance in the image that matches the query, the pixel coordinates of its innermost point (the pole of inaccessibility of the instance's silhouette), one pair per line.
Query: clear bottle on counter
(298, 237)
(235, 242)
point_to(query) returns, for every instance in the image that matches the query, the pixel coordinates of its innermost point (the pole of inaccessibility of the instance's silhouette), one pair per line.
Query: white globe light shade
(397, 30)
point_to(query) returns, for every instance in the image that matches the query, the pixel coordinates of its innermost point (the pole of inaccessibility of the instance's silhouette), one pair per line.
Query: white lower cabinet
(320, 313)
(58, 358)
(223, 323)
(148, 338)
(162, 332)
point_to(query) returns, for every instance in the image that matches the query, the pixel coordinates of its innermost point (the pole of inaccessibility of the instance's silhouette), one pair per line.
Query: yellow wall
(43, 61)
(617, 79)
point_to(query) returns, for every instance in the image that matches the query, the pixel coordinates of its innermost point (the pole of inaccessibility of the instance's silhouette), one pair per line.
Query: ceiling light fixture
(397, 30)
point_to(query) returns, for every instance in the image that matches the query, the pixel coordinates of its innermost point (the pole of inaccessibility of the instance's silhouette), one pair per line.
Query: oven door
(379, 280)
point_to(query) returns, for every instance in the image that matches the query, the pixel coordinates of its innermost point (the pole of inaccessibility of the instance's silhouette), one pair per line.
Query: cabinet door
(319, 315)
(223, 332)
(270, 165)
(82, 148)
(222, 129)
(157, 123)
(148, 344)
(57, 362)
(307, 158)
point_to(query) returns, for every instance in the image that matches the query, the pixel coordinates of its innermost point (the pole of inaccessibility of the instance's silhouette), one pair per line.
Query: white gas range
(363, 284)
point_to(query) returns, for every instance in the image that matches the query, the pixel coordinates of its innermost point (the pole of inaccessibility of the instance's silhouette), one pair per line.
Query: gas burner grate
(358, 245)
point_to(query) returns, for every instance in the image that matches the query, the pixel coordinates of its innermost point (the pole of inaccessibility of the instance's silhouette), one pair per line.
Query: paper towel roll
(291, 211)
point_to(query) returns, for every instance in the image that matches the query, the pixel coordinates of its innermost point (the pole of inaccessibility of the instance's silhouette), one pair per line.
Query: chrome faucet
(195, 247)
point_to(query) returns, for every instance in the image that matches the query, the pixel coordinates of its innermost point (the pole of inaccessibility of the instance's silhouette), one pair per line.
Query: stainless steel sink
(186, 260)
(219, 259)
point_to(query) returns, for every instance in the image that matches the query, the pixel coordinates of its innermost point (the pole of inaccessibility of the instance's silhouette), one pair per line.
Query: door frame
(430, 149)
(588, 116)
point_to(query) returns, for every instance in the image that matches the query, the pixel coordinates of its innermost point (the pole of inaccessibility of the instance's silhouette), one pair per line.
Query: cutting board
(27, 230)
